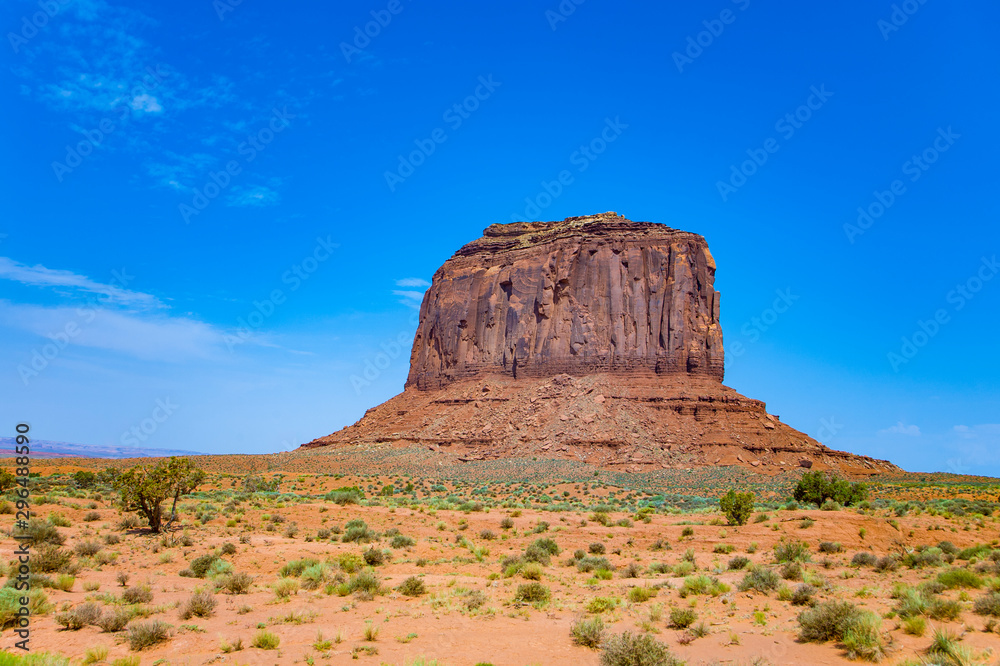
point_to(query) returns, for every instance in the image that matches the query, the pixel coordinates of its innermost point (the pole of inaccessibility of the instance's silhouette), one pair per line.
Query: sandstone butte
(596, 339)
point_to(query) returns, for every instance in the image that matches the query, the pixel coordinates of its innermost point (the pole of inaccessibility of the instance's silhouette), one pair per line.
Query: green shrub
(140, 594)
(830, 547)
(596, 548)
(737, 507)
(791, 551)
(682, 618)
(364, 581)
(265, 640)
(760, 579)
(87, 548)
(199, 604)
(79, 617)
(641, 594)
(588, 564)
(827, 621)
(412, 587)
(627, 649)
(739, 562)
(532, 593)
(295, 568)
(588, 632)
(39, 532)
(959, 578)
(401, 541)
(374, 557)
(142, 635)
(601, 604)
(236, 583)
(48, 558)
(988, 605)
(802, 595)
(200, 565)
(114, 619)
(703, 584)
(864, 560)
(862, 637)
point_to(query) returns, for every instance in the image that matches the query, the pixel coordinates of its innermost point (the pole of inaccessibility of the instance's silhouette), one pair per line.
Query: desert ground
(384, 558)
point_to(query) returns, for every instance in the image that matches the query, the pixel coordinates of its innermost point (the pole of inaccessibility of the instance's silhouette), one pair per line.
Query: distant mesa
(47, 449)
(595, 338)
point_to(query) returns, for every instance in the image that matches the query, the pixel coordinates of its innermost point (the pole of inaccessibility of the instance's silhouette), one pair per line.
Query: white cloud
(412, 282)
(40, 276)
(260, 195)
(901, 429)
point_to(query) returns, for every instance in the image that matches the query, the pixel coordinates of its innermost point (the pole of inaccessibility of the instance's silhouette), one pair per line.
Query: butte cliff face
(595, 338)
(582, 296)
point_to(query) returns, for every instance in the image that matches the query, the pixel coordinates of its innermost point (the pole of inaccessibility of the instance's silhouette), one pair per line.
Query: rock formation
(594, 338)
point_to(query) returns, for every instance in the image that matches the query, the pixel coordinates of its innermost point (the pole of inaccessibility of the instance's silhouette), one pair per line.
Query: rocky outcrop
(585, 295)
(595, 338)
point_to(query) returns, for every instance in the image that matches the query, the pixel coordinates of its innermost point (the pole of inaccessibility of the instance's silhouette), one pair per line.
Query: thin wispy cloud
(259, 195)
(901, 429)
(413, 282)
(68, 281)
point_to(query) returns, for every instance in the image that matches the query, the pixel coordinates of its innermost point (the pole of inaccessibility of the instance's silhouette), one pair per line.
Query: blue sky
(217, 213)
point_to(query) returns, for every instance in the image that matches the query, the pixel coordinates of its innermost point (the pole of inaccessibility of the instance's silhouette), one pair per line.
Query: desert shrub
(357, 531)
(227, 548)
(864, 560)
(943, 609)
(588, 632)
(142, 635)
(265, 640)
(915, 626)
(295, 568)
(862, 637)
(531, 571)
(39, 532)
(313, 577)
(10, 604)
(91, 516)
(374, 557)
(739, 562)
(140, 594)
(596, 548)
(959, 578)
(87, 548)
(827, 621)
(627, 649)
(236, 583)
(112, 539)
(760, 579)
(641, 594)
(285, 588)
(199, 604)
(703, 584)
(830, 547)
(948, 547)
(588, 564)
(817, 488)
(79, 617)
(631, 570)
(48, 558)
(114, 619)
(886, 563)
(791, 551)
(364, 581)
(682, 618)
(532, 593)
(737, 507)
(350, 562)
(475, 599)
(802, 595)
(506, 523)
(401, 541)
(343, 497)
(602, 604)
(988, 605)
(791, 571)
(723, 548)
(412, 587)
(199, 566)
(487, 535)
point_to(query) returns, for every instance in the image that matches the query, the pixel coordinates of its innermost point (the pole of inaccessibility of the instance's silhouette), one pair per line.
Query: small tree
(737, 507)
(143, 490)
(7, 480)
(84, 479)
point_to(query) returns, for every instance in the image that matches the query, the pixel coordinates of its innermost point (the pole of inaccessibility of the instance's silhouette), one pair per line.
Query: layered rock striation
(595, 338)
